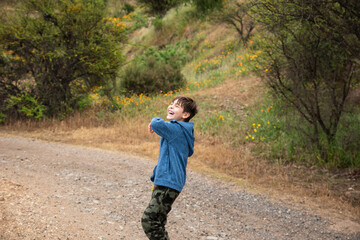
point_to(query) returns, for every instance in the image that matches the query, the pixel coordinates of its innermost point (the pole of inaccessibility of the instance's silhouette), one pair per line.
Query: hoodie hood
(188, 129)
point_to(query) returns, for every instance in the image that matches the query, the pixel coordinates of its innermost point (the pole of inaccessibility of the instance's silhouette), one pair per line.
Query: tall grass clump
(180, 19)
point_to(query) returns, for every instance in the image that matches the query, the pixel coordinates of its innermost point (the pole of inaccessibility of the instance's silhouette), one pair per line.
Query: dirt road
(56, 191)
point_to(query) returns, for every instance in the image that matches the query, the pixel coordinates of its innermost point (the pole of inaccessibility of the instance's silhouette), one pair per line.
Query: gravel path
(56, 191)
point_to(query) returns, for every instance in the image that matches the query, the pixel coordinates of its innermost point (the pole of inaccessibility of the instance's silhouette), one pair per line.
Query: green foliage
(176, 54)
(265, 125)
(140, 21)
(2, 117)
(57, 43)
(27, 105)
(158, 23)
(206, 6)
(279, 134)
(159, 7)
(344, 150)
(152, 76)
(211, 124)
(83, 102)
(309, 66)
(128, 8)
(156, 70)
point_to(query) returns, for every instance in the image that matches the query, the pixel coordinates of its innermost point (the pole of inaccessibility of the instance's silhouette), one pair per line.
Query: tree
(236, 14)
(52, 47)
(311, 57)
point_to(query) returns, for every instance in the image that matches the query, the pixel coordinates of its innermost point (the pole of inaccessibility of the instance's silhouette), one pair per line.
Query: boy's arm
(161, 127)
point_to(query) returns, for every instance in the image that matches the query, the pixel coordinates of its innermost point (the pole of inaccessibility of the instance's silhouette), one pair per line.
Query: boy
(169, 175)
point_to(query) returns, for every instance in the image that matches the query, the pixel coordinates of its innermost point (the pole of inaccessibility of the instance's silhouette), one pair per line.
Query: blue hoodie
(176, 145)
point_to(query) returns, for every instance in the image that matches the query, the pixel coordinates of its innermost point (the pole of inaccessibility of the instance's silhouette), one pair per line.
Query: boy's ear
(185, 115)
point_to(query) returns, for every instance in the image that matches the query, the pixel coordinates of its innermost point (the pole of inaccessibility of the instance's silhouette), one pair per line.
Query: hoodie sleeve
(162, 128)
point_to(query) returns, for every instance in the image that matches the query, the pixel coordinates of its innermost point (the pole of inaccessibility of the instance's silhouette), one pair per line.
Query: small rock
(353, 194)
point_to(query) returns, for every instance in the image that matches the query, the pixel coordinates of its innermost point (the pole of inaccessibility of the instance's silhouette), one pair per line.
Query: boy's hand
(150, 128)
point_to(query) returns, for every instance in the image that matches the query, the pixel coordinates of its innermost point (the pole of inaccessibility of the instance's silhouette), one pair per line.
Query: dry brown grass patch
(235, 91)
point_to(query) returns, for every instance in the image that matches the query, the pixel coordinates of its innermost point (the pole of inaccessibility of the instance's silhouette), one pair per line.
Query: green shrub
(2, 117)
(158, 23)
(140, 21)
(152, 77)
(171, 54)
(83, 102)
(128, 8)
(27, 106)
(205, 6)
(159, 7)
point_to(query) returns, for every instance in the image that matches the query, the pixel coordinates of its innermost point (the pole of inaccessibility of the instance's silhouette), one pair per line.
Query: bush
(158, 23)
(55, 43)
(171, 54)
(159, 7)
(205, 6)
(128, 8)
(156, 70)
(2, 117)
(152, 77)
(27, 106)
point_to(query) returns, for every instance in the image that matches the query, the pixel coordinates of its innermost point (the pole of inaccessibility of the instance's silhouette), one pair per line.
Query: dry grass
(237, 92)
(211, 156)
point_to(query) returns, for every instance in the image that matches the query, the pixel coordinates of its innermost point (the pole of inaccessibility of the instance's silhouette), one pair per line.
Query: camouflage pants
(154, 218)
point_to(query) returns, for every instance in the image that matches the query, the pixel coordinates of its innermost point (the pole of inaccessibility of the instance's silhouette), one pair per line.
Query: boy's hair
(189, 106)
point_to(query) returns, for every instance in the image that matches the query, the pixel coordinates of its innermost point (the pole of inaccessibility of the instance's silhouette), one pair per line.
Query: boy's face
(176, 112)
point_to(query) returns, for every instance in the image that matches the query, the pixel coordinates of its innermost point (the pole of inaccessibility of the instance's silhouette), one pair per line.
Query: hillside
(240, 128)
